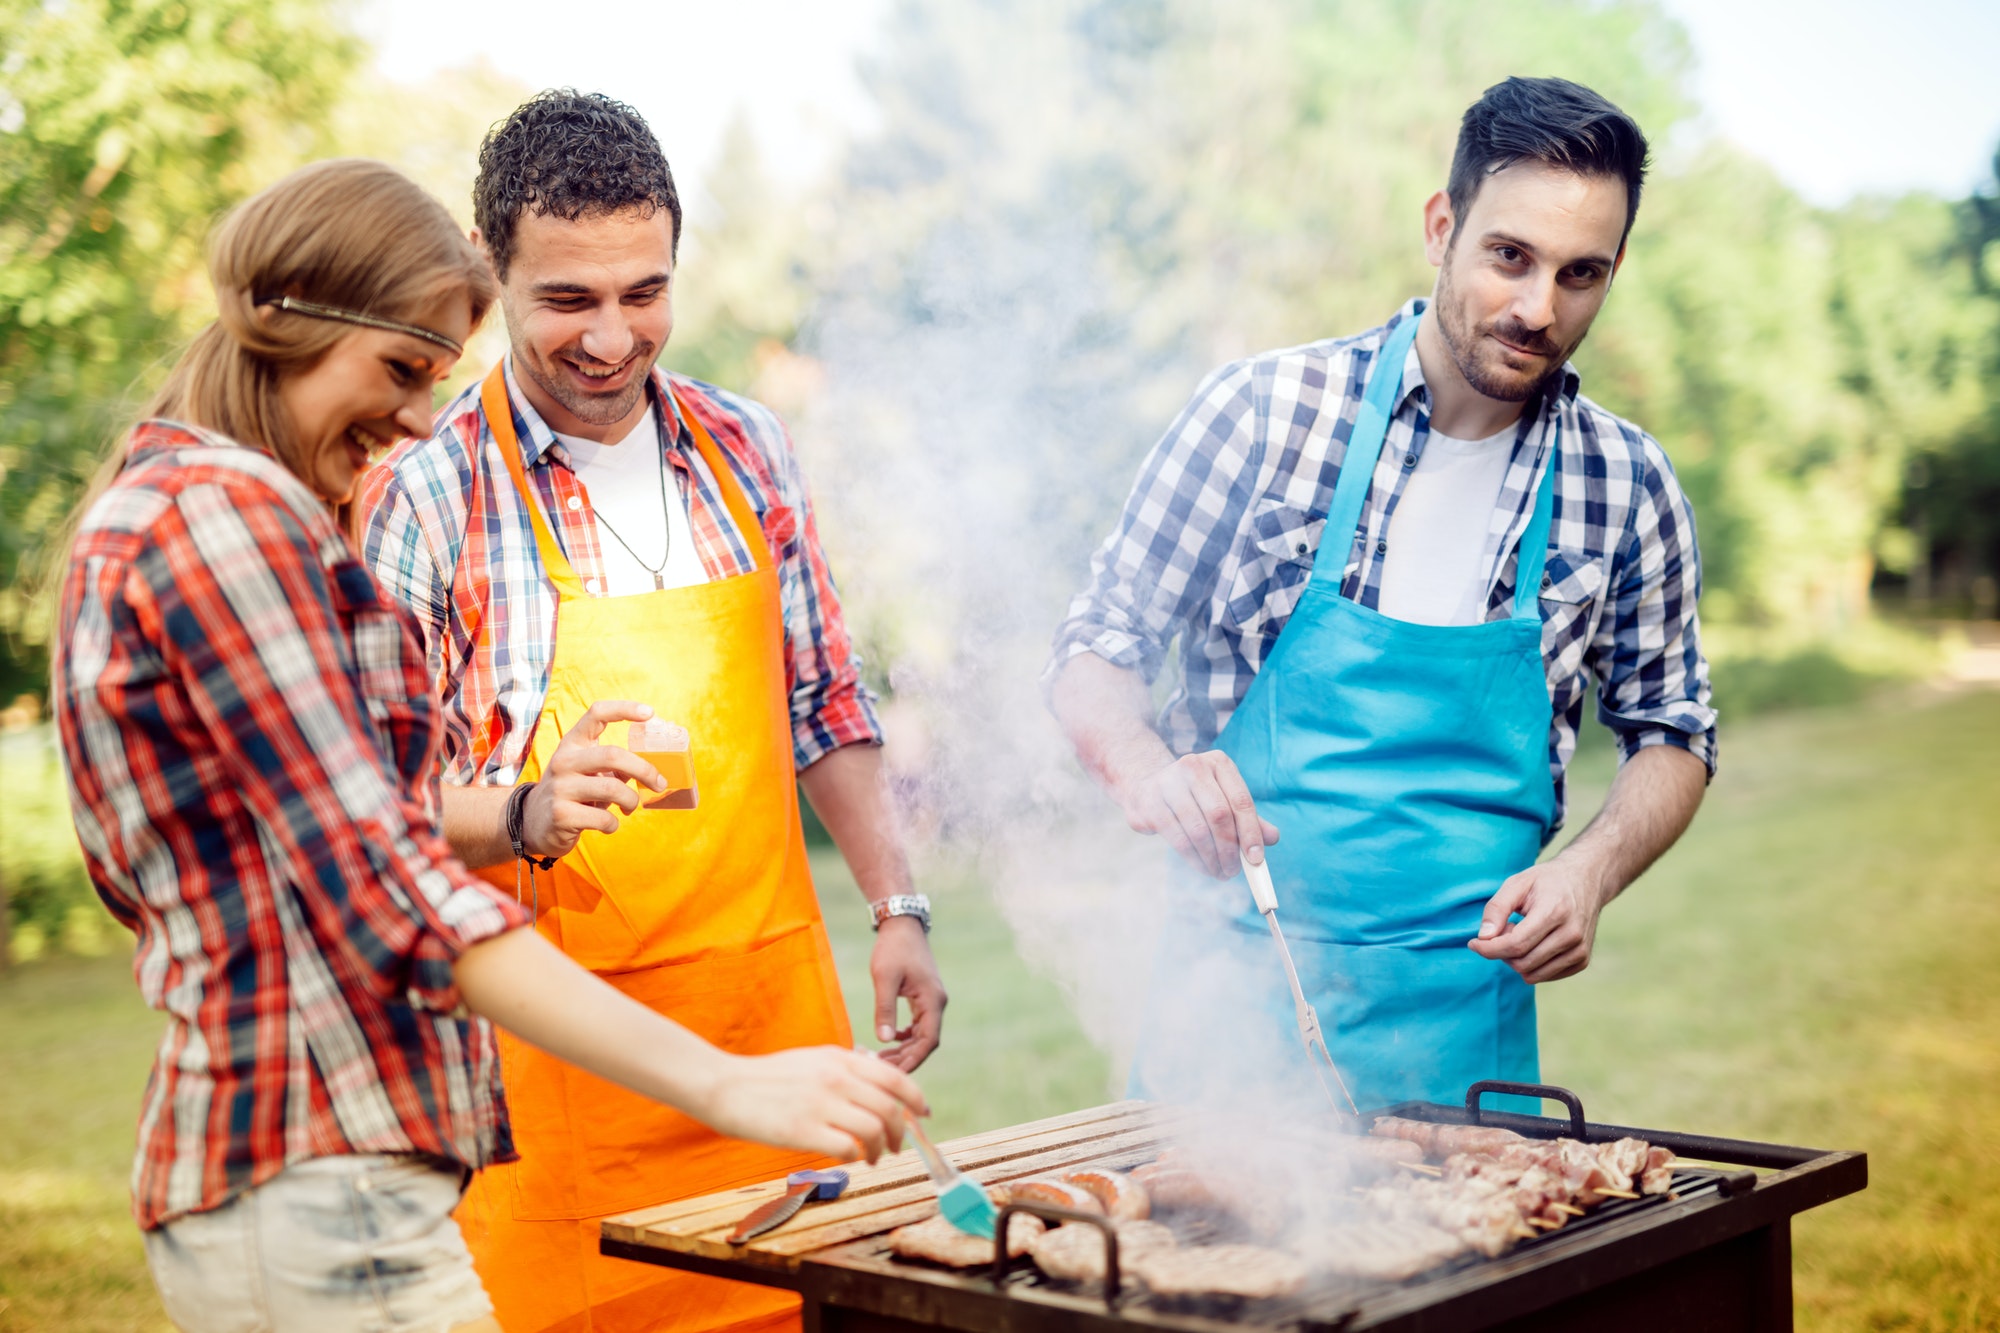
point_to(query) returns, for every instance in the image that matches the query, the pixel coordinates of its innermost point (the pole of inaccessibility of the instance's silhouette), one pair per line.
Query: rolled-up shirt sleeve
(246, 603)
(1154, 575)
(1653, 678)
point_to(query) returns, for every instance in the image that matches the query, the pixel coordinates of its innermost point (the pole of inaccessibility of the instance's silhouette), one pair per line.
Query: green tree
(126, 126)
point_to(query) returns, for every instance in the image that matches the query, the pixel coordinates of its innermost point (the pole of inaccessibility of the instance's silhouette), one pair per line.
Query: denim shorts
(349, 1244)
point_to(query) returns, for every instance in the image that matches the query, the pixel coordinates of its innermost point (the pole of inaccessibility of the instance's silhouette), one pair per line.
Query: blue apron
(1407, 768)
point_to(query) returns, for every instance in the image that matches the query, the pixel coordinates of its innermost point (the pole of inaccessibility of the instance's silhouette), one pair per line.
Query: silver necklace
(659, 573)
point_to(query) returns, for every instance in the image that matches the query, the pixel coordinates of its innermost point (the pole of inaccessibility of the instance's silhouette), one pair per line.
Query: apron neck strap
(1364, 448)
(500, 420)
(1533, 560)
(733, 497)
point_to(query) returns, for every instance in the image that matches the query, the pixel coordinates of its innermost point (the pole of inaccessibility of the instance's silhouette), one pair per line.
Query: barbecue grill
(1713, 1255)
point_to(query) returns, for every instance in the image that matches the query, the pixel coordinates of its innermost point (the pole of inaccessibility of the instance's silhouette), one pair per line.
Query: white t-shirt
(622, 480)
(1433, 573)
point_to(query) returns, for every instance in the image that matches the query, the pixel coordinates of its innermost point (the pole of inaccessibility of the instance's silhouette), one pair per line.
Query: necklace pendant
(659, 581)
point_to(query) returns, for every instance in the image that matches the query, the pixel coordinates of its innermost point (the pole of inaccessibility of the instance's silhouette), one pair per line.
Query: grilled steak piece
(1219, 1270)
(1076, 1252)
(938, 1241)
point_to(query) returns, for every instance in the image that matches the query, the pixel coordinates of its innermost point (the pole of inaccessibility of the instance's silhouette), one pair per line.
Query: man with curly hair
(594, 542)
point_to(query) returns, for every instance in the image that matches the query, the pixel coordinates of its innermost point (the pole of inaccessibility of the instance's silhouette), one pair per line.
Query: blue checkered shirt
(1223, 529)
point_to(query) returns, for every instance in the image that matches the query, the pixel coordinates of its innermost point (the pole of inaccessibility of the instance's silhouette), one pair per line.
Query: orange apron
(707, 916)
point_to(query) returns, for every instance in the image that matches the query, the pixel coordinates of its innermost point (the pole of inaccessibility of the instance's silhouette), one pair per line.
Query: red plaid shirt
(251, 748)
(448, 536)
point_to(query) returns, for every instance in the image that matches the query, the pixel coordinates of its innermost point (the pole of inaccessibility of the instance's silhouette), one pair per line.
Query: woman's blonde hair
(350, 233)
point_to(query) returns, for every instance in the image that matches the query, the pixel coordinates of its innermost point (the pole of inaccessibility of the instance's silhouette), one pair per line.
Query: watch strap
(903, 904)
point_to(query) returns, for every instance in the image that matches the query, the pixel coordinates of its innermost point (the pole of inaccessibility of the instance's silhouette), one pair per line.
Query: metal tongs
(1317, 1055)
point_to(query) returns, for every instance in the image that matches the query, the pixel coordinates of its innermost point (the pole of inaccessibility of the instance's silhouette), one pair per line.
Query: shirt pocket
(1572, 584)
(1278, 554)
(1572, 578)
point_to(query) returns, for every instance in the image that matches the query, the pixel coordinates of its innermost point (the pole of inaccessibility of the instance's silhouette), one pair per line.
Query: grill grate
(1324, 1290)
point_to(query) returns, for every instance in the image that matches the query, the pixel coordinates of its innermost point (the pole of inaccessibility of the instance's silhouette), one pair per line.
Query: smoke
(996, 343)
(970, 445)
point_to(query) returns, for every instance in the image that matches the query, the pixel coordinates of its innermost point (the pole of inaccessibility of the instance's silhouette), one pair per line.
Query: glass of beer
(665, 746)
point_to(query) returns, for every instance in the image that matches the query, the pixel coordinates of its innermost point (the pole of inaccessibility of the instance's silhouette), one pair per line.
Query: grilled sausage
(1123, 1198)
(1055, 1193)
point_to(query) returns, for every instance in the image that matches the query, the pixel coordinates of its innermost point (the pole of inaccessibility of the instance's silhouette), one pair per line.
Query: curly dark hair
(565, 154)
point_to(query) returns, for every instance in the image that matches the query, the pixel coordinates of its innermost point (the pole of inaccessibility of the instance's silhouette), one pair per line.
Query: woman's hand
(840, 1103)
(586, 784)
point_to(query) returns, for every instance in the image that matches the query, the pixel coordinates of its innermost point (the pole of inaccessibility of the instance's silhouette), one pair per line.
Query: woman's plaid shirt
(251, 747)
(447, 534)
(1222, 530)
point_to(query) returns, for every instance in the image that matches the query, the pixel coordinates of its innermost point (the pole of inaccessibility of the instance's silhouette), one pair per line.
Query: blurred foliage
(42, 882)
(1951, 508)
(1146, 188)
(1066, 213)
(741, 287)
(125, 127)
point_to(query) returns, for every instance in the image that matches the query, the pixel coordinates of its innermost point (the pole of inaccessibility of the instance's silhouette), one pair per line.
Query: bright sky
(1841, 96)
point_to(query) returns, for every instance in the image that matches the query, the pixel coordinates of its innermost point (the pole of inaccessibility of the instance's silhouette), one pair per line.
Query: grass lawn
(1814, 964)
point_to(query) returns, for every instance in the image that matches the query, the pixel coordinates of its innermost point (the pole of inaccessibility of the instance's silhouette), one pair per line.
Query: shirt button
(576, 502)
(1381, 548)
(1547, 583)
(1300, 549)
(1409, 460)
(590, 586)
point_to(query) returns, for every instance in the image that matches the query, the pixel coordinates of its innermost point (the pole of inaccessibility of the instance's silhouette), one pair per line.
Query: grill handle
(1542, 1090)
(1002, 1261)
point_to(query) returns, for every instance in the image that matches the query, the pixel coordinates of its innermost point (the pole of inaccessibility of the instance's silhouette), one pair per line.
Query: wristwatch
(903, 904)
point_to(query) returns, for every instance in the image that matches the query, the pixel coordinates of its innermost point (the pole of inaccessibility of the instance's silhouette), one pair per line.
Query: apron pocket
(589, 1147)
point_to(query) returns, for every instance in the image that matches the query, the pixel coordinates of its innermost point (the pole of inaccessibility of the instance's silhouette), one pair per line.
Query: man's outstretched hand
(902, 968)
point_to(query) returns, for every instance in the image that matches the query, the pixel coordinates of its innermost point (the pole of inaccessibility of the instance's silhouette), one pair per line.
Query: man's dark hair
(1554, 121)
(566, 154)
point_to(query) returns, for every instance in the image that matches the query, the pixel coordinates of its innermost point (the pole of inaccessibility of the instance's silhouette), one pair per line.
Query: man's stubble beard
(1463, 343)
(597, 411)
(593, 408)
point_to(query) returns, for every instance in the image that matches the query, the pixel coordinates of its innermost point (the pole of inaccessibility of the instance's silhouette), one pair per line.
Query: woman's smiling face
(371, 389)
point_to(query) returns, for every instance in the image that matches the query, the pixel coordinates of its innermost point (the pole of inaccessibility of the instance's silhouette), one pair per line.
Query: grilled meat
(1657, 1177)
(1389, 1251)
(1055, 1193)
(1444, 1140)
(1076, 1252)
(1122, 1198)
(1219, 1270)
(937, 1241)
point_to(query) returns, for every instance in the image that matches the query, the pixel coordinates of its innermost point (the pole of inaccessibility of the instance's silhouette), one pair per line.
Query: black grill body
(1716, 1257)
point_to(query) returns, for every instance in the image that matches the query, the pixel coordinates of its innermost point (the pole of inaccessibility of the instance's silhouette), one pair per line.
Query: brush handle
(943, 1172)
(1261, 887)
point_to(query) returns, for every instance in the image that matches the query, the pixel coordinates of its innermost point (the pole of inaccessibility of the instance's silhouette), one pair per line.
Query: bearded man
(1391, 562)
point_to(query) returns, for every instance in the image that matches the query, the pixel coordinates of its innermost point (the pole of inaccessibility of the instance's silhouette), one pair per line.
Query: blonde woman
(251, 747)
